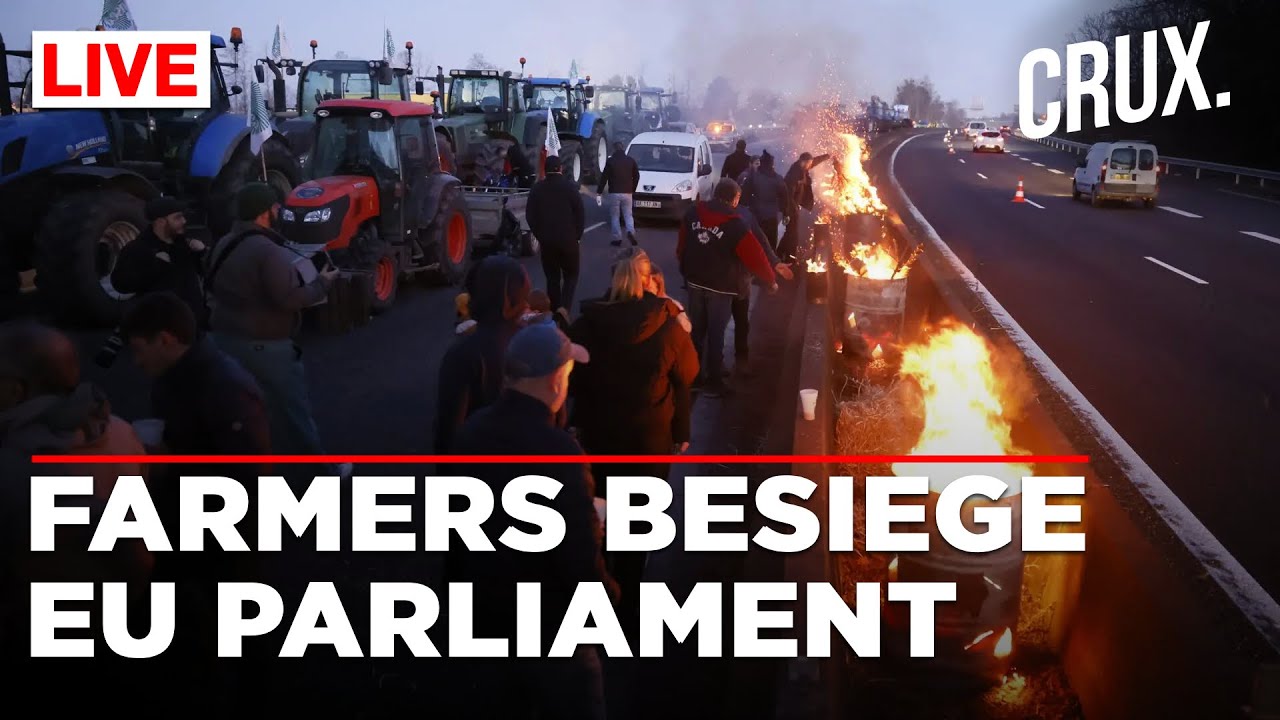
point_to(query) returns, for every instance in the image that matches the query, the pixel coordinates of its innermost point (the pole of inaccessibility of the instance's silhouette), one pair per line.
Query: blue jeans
(277, 366)
(709, 312)
(620, 203)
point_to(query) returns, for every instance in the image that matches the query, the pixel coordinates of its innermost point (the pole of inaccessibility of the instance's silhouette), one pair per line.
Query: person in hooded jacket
(765, 194)
(471, 370)
(736, 162)
(800, 185)
(625, 399)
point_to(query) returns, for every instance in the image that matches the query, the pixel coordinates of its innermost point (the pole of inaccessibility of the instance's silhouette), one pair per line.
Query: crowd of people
(215, 328)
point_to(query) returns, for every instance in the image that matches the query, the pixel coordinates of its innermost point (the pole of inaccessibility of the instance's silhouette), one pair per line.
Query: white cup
(809, 402)
(150, 432)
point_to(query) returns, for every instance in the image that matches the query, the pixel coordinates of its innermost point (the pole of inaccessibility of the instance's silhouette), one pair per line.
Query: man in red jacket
(713, 240)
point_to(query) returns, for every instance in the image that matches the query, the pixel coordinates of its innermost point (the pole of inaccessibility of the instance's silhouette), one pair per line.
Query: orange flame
(851, 192)
(853, 319)
(1004, 646)
(816, 266)
(877, 263)
(963, 412)
(878, 352)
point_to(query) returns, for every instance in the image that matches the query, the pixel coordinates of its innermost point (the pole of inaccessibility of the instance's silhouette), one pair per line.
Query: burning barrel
(974, 635)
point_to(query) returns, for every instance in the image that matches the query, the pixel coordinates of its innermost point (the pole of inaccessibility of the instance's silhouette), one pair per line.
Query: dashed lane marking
(1261, 236)
(1056, 172)
(984, 177)
(962, 161)
(1038, 164)
(1173, 269)
(1025, 159)
(1176, 211)
(1033, 203)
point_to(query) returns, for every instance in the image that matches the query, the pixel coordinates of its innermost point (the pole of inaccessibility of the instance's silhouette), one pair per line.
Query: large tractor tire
(371, 253)
(77, 249)
(283, 173)
(571, 162)
(596, 153)
(448, 163)
(451, 237)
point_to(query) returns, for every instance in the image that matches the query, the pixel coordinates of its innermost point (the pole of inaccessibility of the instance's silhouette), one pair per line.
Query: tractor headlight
(684, 186)
(318, 216)
(287, 215)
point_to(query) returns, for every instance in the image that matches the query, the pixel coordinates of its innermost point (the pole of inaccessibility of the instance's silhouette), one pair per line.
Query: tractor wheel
(571, 161)
(445, 148)
(597, 153)
(283, 173)
(372, 254)
(77, 249)
(452, 233)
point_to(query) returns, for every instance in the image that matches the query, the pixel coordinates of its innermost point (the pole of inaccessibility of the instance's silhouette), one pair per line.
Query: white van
(675, 172)
(1124, 170)
(975, 129)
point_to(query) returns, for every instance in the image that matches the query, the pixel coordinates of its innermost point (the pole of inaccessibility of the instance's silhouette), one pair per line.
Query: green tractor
(321, 80)
(484, 128)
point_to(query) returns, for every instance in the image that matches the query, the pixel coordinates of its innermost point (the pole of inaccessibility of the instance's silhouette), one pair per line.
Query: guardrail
(1199, 166)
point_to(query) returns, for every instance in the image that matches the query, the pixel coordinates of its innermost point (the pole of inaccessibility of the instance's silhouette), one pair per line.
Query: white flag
(553, 138)
(259, 118)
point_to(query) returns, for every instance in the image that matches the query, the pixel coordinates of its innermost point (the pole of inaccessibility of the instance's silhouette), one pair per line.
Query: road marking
(1186, 275)
(1176, 211)
(1252, 600)
(1056, 172)
(1015, 154)
(1025, 159)
(593, 227)
(1260, 236)
(1248, 196)
(1038, 164)
(984, 177)
(961, 161)
(1033, 203)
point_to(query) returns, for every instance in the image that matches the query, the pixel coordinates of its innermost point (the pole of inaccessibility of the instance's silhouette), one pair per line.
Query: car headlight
(318, 216)
(287, 215)
(684, 186)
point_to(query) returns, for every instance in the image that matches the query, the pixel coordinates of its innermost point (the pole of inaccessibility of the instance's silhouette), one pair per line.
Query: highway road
(1166, 319)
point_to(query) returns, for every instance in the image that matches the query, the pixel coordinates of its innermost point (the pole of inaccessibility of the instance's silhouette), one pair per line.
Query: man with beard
(257, 299)
(161, 259)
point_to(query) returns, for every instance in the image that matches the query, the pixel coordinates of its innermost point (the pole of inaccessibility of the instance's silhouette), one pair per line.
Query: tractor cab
(481, 124)
(567, 100)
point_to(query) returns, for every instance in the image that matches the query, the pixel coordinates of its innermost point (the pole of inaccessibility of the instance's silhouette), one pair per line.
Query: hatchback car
(989, 141)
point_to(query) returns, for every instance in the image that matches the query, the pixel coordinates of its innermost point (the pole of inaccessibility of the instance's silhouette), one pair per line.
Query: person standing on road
(557, 219)
(162, 259)
(745, 175)
(471, 371)
(258, 295)
(537, 367)
(800, 185)
(210, 406)
(713, 240)
(742, 302)
(765, 194)
(625, 401)
(736, 163)
(622, 177)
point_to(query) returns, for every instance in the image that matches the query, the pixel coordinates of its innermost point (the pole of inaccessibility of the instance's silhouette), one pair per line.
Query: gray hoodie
(258, 293)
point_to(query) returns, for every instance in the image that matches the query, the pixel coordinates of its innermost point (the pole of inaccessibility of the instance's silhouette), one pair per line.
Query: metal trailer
(487, 207)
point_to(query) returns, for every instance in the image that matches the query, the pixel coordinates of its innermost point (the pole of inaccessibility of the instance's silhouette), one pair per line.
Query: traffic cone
(1019, 196)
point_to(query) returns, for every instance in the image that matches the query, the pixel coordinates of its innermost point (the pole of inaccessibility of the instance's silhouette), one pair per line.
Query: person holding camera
(162, 259)
(257, 295)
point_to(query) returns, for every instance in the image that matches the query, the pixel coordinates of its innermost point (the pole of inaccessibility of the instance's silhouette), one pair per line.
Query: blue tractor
(584, 143)
(74, 183)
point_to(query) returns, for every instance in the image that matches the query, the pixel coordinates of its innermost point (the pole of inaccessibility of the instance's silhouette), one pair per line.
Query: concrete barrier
(1146, 623)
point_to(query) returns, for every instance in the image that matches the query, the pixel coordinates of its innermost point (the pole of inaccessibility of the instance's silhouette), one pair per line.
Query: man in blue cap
(537, 365)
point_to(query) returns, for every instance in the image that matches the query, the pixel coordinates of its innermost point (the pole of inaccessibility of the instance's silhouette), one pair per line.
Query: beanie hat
(553, 164)
(254, 199)
(163, 206)
(766, 160)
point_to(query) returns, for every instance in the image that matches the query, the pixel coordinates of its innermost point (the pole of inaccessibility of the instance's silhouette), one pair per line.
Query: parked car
(1124, 170)
(675, 172)
(989, 141)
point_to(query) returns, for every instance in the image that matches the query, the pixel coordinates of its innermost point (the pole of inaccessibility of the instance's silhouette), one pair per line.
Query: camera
(110, 350)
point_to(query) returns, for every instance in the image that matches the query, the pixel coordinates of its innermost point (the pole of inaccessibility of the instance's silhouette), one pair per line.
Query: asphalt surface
(1167, 319)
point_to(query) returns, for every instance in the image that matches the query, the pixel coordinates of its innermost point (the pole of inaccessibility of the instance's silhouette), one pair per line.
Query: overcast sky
(861, 47)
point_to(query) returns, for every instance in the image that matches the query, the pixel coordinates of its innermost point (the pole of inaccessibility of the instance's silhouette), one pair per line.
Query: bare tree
(479, 62)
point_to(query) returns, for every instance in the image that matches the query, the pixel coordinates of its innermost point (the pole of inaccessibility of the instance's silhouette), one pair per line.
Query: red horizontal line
(543, 459)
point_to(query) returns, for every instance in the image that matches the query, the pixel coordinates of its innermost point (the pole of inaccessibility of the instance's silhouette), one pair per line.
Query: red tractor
(379, 202)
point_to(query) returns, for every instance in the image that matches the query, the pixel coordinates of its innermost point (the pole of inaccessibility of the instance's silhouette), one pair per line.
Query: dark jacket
(517, 424)
(735, 164)
(471, 371)
(149, 264)
(800, 183)
(555, 213)
(258, 292)
(641, 359)
(744, 281)
(210, 405)
(714, 243)
(765, 193)
(621, 175)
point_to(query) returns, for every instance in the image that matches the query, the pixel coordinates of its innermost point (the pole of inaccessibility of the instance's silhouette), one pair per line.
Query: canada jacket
(555, 213)
(621, 175)
(714, 244)
(625, 399)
